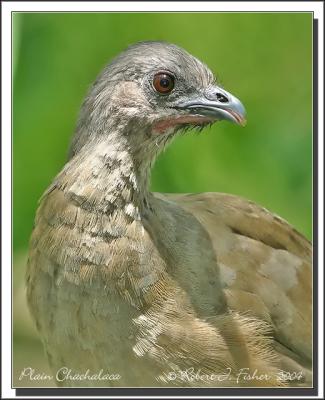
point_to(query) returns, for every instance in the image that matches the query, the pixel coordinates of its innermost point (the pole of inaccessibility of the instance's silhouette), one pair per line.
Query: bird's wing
(265, 265)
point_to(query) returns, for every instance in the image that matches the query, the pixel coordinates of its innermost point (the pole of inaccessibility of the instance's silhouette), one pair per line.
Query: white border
(161, 6)
(7, 8)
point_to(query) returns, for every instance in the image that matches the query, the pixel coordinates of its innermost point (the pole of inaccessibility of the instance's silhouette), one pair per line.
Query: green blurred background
(265, 59)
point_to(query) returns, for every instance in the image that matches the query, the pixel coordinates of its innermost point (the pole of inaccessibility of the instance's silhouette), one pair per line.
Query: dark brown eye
(163, 82)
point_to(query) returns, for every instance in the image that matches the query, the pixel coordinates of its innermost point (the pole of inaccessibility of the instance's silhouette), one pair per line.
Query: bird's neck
(105, 177)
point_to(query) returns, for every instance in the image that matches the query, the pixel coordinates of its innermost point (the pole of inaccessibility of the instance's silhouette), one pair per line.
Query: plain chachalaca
(191, 290)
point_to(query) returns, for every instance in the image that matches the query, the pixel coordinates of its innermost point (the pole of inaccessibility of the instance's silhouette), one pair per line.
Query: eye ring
(163, 82)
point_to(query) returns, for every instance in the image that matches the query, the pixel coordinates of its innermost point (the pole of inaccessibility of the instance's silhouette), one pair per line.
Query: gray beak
(217, 104)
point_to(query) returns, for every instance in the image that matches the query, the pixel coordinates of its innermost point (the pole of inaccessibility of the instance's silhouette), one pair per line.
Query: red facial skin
(163, 125)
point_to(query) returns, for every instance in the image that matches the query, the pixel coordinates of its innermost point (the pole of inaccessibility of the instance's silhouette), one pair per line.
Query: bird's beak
(217, 104)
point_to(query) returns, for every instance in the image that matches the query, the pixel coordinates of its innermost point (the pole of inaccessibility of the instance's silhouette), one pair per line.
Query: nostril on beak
(222, 98)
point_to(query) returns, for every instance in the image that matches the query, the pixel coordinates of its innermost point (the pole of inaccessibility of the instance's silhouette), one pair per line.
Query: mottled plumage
(141, 284)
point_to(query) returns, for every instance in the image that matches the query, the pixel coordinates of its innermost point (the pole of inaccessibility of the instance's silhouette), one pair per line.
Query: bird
(132, 288)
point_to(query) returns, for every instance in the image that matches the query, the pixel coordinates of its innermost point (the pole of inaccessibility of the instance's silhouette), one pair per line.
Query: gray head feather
(122, 105)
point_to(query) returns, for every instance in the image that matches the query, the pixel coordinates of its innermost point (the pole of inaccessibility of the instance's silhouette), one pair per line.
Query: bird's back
(265, 267)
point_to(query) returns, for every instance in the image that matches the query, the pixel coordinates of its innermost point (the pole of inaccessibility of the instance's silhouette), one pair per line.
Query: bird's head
(149, 92)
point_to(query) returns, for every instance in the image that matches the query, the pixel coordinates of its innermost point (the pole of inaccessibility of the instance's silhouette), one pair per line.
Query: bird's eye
(163, 82)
